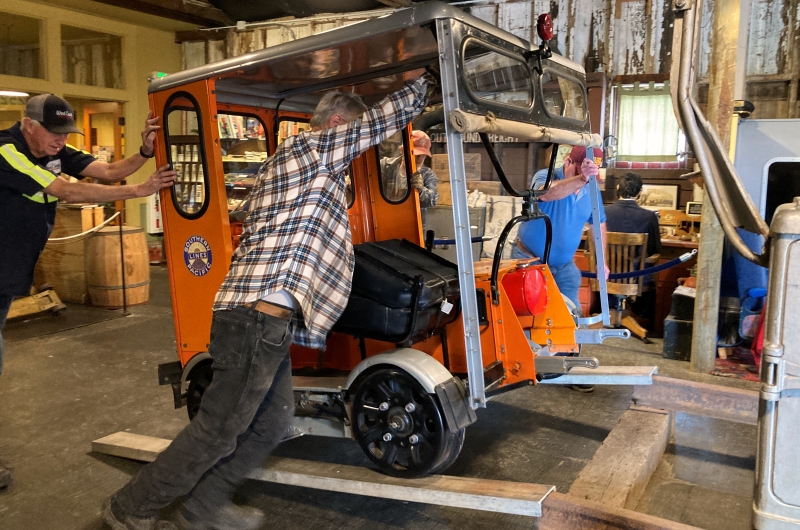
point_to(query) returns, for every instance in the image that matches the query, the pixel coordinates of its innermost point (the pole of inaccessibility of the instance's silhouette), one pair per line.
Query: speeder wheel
(400, 426)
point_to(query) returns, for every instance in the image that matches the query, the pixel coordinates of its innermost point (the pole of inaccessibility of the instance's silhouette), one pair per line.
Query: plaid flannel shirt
(297, 234)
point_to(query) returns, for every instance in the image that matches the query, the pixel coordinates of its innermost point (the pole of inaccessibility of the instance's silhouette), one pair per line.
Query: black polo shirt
(26, 213)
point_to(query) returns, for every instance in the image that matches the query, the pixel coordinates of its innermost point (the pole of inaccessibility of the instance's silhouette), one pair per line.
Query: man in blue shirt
(569, 206)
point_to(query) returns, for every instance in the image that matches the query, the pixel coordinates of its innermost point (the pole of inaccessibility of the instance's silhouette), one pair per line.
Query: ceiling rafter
(396, 3)
(193, 11)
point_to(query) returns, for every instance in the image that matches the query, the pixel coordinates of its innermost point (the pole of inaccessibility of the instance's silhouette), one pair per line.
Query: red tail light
(527, 290)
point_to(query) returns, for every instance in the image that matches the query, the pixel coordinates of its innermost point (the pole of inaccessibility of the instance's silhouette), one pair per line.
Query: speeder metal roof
(370, 56)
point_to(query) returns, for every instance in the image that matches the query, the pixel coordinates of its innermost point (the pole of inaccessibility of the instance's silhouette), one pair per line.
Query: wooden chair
(626, 253)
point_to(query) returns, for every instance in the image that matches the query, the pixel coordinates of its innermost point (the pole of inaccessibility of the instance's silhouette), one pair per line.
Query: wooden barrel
(104, 268)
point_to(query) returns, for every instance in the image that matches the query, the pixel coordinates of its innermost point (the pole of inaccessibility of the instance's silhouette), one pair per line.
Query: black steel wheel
(450, 453)
(199, 379)
(400, 426)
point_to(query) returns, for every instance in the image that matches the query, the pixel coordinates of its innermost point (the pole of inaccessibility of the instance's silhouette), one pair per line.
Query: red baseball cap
(422, 143)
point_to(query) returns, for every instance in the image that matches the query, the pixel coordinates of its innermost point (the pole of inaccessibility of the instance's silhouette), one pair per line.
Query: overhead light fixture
(13, 94)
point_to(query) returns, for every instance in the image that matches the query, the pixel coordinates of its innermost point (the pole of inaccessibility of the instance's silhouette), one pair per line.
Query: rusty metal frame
(702, 399)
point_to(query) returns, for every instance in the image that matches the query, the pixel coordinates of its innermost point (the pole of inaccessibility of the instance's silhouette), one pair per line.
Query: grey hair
(345, 103)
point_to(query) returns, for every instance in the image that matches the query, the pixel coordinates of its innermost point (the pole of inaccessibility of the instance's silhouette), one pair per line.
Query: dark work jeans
(245, 413)
(5, 305)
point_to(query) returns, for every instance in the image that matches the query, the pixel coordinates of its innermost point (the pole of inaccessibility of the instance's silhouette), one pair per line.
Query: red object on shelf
(527, 291)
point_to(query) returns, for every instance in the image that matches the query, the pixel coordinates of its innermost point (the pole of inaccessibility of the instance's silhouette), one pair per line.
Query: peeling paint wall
(619, 37)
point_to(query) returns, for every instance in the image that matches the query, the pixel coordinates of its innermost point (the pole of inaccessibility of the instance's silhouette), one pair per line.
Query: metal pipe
(689, 111)
(122, 262)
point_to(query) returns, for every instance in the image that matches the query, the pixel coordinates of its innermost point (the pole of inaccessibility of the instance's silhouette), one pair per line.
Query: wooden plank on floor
(129, 445)
(558, 511)
(623, 465)
(483, 494)
(562, 511)
(702, 399)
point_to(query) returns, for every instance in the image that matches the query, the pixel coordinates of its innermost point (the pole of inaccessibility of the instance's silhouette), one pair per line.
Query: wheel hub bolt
(387, 437)
(410, 407)
(383, 406)
(413, 439)
(394, 425)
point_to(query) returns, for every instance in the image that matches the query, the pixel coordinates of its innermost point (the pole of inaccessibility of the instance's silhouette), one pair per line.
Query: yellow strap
(21, 163)
(81, 150)
(39, 197)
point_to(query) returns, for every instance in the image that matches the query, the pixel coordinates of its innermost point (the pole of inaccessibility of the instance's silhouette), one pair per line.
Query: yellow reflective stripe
(21, 163)
(39, 197)
(81, 150)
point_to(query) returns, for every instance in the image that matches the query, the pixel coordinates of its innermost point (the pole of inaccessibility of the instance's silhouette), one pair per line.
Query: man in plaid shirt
(289, 280)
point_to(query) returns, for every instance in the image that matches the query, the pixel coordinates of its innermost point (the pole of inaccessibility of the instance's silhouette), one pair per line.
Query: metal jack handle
(599, 249)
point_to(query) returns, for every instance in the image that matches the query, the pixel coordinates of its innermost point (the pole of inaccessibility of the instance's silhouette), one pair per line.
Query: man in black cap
(33, 155)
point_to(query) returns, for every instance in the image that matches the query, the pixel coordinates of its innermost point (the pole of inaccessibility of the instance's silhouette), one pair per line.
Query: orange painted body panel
(555, 326)
(193, 296)
(372, 218)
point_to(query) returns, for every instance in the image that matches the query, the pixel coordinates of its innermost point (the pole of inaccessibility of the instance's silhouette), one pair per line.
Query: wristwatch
(141, 152)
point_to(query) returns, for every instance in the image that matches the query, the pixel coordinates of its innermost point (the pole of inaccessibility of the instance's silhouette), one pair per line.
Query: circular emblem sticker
(197, 256)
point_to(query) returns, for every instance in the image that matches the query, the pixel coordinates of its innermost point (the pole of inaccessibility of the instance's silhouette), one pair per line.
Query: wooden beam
(396, 3)
(629, 79)
(623, 465)
(200, 35)
(206, 16)
(702, 399)
(36, 303)
(726, 84)
(482, 494)
(557, 511)
(562, 511)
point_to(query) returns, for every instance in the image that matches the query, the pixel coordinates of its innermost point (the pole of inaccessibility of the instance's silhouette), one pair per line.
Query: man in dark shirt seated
(626, 215)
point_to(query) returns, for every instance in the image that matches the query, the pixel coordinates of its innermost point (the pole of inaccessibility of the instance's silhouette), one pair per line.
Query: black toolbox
(402, 293)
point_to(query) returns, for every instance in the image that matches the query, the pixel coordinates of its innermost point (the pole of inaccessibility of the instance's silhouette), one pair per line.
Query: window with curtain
(648, 130)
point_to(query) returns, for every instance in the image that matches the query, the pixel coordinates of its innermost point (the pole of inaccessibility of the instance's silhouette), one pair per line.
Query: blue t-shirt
(568, 215)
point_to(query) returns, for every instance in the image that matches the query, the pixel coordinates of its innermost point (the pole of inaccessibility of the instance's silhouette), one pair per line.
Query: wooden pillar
(729, 39)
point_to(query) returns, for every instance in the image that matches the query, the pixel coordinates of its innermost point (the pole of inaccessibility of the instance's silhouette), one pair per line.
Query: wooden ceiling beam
(395, 3)
(191, 12)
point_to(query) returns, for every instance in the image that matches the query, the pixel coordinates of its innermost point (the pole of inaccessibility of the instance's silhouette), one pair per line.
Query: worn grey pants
(245, 413)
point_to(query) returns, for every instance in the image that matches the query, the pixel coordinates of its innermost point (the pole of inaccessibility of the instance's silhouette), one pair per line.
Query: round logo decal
(197, 256)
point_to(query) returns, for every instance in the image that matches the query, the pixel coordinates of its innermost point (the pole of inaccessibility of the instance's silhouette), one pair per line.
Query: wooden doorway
(103, 128)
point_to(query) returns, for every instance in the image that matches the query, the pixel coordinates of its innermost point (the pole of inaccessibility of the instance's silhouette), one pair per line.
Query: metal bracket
(597, 336)
(588, 321)
(772, 377)
(558, 364)
(605, 375)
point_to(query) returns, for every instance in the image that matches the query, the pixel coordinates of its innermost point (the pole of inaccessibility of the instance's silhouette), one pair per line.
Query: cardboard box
(487, 187)
(444, 194)
(472, 165)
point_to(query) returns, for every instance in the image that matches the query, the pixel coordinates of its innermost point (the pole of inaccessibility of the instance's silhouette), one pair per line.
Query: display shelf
(187, 162)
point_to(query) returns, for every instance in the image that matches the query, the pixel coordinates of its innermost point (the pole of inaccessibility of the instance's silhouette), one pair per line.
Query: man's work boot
(6, 477)
(119, 520)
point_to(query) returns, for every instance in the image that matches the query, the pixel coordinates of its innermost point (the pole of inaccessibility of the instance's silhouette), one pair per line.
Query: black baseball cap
(54, 113)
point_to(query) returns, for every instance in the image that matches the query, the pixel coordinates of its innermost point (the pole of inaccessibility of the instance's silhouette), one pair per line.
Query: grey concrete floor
(63, 390)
